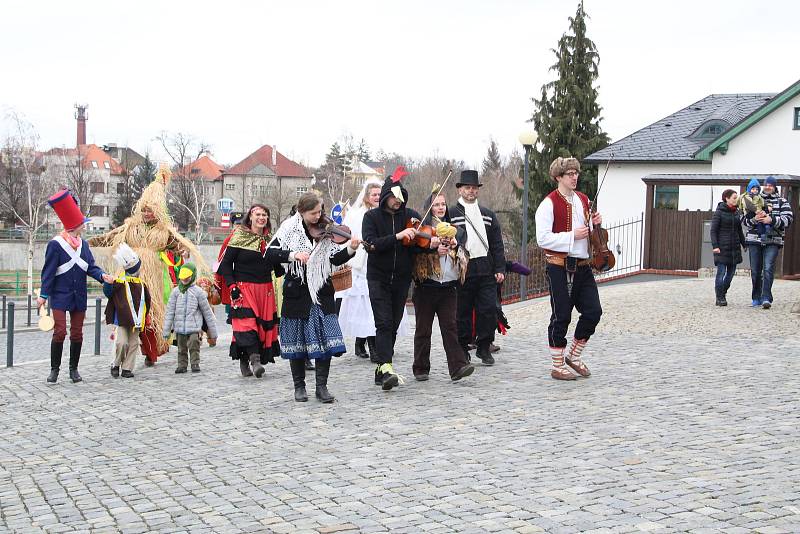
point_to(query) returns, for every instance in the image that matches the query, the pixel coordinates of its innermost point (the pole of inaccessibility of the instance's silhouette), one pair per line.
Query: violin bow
(599, 186)
(441, 188)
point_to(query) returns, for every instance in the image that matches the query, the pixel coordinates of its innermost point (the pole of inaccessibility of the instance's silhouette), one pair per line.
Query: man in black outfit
(479, 232)
(388, 269)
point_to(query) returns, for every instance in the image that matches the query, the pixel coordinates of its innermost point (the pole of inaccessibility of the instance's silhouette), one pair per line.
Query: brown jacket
(118, 310)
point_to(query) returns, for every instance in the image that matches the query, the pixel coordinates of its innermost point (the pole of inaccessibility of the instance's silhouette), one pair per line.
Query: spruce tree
(567, 116)
(493, 162)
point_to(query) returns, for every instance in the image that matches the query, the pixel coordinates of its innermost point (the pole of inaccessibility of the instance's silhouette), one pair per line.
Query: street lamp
(528, 139)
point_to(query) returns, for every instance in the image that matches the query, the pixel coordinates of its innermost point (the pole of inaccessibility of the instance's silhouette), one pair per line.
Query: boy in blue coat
(67, 263)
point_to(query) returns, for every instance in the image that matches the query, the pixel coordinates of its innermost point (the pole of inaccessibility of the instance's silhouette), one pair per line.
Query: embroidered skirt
(318, 336)
(255, 323)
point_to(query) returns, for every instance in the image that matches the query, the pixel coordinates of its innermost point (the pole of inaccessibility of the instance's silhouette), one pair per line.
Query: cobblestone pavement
(690, 422)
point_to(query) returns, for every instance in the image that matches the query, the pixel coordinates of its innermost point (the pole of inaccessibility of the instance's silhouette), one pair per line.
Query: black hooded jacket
(389, 261)
(726, 235)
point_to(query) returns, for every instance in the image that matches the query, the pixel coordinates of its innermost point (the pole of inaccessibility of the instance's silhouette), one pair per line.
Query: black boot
(484, 355)
(360, 349)
(56, 347)
(74, 358)
(323, 368)
(309, 365)
(373, 350)
(255, 362)
(299, 379)
(720, 297)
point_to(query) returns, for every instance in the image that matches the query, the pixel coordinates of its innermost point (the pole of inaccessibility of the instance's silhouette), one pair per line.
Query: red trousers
(75, 325)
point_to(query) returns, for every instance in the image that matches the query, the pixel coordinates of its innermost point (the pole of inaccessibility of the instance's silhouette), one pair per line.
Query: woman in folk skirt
(247, 270)
(309, 327)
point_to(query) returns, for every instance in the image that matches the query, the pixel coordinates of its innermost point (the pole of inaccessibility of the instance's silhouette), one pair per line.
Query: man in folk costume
(67, 263)
(162, 249)
(480, 233)
(562, 230)
(127, 308)
(389, 266)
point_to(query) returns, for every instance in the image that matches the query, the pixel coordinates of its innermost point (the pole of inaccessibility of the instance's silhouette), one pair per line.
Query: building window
(230, 187)
(98, 187)
(712, 131)
(301, 189)
(106, 164)
(97, 211)
(94, 164)
(797, 118)
(195, 171)
(121, 188)
(666, 197)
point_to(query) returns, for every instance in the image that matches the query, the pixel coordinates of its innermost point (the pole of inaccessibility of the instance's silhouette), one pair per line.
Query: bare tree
(280, 203)
(12, 185)
(189, 191)
(21, 148)
(66, 166)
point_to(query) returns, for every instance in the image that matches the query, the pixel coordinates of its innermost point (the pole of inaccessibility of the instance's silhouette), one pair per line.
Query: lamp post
(528, 139)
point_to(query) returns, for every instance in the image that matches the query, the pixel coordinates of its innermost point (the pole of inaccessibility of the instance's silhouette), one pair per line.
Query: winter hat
(562, 165)
(127, 259)
(770, 180)
(753, 183)
(187, 271)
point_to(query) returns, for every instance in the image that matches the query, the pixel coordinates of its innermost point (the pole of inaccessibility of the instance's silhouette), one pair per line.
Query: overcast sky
(410, 76)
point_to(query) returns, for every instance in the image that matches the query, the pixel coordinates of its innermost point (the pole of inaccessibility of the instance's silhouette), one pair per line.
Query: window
(98, 187)
(97, 211)
(94, 164)
(106, 164)
(120, 188)
(195, 171)
(797, 118)
(666, 197)
(301, 189)
(712, 131)
(230, 187)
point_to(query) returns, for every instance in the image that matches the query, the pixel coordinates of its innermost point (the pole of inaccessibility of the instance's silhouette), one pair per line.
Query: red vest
(562, 214)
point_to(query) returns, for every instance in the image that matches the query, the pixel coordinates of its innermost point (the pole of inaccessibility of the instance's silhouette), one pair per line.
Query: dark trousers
(441, 302)
(722, 282)
(584, 298)
(388, 302)
(75, 325)
(478, 293)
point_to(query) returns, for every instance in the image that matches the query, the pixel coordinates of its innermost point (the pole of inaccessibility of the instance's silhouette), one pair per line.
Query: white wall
(770, 146)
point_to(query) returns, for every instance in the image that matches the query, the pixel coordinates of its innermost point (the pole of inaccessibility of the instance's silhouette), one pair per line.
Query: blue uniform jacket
(67, 291)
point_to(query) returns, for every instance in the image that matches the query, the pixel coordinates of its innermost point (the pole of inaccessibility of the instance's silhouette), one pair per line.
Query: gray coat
(185, 312)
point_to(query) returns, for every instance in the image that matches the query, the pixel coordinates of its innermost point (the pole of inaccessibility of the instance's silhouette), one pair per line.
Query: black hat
(469, 178)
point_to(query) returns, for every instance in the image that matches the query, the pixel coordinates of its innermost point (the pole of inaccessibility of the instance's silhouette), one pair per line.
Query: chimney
(81, 117)
(274, 155)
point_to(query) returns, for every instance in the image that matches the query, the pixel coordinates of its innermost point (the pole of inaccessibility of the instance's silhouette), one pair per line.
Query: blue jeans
(724, 276)
(762, 270)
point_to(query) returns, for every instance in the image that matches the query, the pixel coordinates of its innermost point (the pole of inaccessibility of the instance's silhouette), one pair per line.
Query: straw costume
(162, 251)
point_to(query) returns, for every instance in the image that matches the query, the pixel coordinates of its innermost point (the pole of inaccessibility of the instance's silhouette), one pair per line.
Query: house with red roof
(204, 172)
(266, 176)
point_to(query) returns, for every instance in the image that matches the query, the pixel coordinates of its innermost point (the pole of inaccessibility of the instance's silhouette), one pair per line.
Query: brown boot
(560, 371)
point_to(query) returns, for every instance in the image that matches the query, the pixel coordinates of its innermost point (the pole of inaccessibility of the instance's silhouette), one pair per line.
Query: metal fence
(15, 283)
(624, 240)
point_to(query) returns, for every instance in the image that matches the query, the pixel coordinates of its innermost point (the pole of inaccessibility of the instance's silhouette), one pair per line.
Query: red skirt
(255, 323)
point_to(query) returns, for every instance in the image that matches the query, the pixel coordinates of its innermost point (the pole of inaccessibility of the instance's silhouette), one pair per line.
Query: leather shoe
(493, 348)
(115, 371)
(195, 368)
(485, 356)
(562, 374)
(323, 395)
(579, 368)
(53, 376)
(180, 370)
(300, 394)
(127, 374)
(464, 371)
(75, 376)
(422, 377)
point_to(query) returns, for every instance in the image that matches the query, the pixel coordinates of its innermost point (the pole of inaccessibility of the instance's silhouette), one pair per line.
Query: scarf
(73, 241)
(476, 232)
(245, 239)
(292, 236)
(183, 287)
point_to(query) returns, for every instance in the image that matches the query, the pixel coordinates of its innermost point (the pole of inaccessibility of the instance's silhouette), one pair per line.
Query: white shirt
(561, 241)
(476, 232)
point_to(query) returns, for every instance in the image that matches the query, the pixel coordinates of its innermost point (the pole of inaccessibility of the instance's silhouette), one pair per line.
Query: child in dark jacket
(128, 308)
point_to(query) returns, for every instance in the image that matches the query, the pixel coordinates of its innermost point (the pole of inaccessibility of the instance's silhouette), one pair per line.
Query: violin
(602, 259)
(424, 235)
(338, 233)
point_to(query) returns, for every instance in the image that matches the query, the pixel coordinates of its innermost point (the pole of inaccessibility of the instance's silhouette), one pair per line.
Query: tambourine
(46, 322)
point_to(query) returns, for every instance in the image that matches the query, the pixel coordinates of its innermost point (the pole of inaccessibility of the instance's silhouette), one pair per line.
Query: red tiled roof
(263, 156)
(88, 154)
(205, 167)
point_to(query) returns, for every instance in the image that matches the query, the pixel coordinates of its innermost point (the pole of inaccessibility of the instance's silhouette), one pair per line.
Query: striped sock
(557, 355)
(576, 349)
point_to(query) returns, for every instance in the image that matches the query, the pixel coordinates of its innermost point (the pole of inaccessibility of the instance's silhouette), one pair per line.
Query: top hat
(469, 178)
(66, 207)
